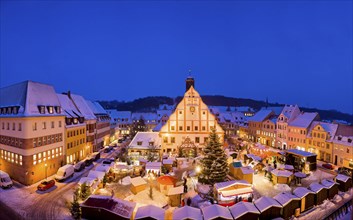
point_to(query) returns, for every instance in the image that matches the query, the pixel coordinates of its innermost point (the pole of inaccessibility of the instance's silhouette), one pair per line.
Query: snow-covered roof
(144, 140)
(68, 106)
(83, 107)
(96, 108)
(342, 177)
(119, 114)
(161, 113)
(328, 127)
(316, 187)
(148, 117)
(301, 192)
(276, 109)
(153, 165)
(166, 107)
(102, 168)
(301, 152)
(117, 206)
(187, 212)
(222, 185)
(264, 203)
(284, 198)
(137, 181)
(289, 111)
(88, 180)
(96, 174)
(241, 208)
(176, 190)
(168, 161)
(28, 96)
(150, 211)
(304, 120)
(244, 109)
(214, 211)
(247, 170)
(328, 183)
(283, 173)
(261, 115)
(158, 127)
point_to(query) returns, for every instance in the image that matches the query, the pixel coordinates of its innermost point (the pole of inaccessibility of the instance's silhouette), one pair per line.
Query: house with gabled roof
(343, 147)
(255, 126)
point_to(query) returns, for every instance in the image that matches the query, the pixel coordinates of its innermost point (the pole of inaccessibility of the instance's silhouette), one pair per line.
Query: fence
(341, 211)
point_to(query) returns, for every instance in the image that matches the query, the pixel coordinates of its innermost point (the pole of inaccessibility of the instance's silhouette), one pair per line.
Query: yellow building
(320, 140)
(343, 146)
(190, 121)
(31, 132)
(75, 130)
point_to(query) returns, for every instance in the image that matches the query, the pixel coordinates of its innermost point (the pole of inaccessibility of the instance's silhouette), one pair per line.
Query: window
(41, 109)
(327, 146)
(347, 150)
(52, 124)
(34, 142)
(204, 128)
(172, 140)
(44, 125)
(180, 112)
(197, 139)
(196, 128)
(165, 139)
(34, 159)
(57, 109)
(13, 126)
(180, 128)
(59, 124)
(205, 140)
(3, 126)
(20, 160)
(34, 126)
(8, 126)
(49, 157)
(188, 128)
(44, 156)
(203, 112)
(172, 128)
(19, 126)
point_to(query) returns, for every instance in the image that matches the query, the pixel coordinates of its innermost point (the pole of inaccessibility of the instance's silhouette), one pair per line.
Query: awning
(235, 192)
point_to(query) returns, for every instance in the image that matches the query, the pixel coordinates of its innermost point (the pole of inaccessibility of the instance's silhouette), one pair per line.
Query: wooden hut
(244, 211)
(168, 163)
(175, 195)
(268, 207)
(137, 185)
(345, 182)
(321, 192)
(290, 203)
(187, 213)
(229, 192)
(216, 212)
(281, 176)
(307, 198)
(165, 183)
(241, 173)
(331, 186)
(106, 207)
(301, 160)
(150, 212)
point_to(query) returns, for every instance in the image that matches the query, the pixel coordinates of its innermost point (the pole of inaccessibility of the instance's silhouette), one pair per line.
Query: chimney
(189, 82)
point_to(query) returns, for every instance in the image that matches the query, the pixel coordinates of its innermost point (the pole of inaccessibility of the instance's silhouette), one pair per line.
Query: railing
(340, 212)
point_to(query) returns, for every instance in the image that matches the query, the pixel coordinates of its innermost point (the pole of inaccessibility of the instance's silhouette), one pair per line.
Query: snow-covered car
(45, 185)
(328, 166)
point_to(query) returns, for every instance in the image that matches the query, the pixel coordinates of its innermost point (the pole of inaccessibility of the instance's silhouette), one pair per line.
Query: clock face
(192, 108)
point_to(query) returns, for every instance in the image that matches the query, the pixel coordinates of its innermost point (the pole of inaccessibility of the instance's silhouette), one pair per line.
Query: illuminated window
(12, 157)
(172, 128)
(20, 159)
(165, 139)
(49, 157)
(44, 156)
(52, 153)
(172, 140)
(16, 158)
(1, 153)
(34, 126)
(204, 128)
(39, 157)
(34, 159)
(51, 109)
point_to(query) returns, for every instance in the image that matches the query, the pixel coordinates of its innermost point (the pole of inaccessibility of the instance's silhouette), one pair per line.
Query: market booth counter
(345, 182)
(290, 204)
(307, 198)
(244, 211)
(231, 192)
(321, 192)
(281, 176)
(268, 207)
(137, 185)
(331, 186)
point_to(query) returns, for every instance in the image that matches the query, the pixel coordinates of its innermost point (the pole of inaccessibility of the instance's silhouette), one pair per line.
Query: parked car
(107, 149)
(328, 166)
(88, 162)
(79, 166)
(96, 156)
(5, 180)
(65, 172)
(45, 185)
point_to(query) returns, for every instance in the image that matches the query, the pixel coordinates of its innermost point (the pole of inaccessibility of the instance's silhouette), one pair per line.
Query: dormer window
(139, 143)
(339, 138)
(75, 121)
(50, 109)
(349, 140)
(57, 109)
(151, 143)
(15, 110)
(41, 109)
(9, 110)
(81, 119)
(68, 121)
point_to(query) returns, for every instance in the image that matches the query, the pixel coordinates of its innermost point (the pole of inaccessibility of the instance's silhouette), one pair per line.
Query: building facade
(288, 114)
(343, 146)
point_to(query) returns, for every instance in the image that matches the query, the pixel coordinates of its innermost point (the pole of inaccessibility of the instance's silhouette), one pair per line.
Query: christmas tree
(75, 209)
(214, 166)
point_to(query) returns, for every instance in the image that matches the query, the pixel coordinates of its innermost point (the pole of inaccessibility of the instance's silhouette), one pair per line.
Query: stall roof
(176, 190)
(284, 198)
(283, 173)
(328, 183)
(138, 181)
(264, 203)
(342, 177)
(153, 165)
(87, 180)
(166, 180)
(168, 161)
(316, 187)
(150, 211)
(96, 174)
(241, 208)
(187, 212)
(222, 185)
(300, 153)
(301, 192)
(247, 170)
(216, 211)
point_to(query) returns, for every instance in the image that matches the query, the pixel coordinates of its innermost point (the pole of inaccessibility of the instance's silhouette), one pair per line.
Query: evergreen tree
(137, 126)
(105, 179)
(85, 191)
(214, 166)
(75, 209)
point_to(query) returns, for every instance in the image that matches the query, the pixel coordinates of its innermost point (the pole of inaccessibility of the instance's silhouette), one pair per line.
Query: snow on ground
(282, 188)
(264, 187)
(142, 198)
(316, 176)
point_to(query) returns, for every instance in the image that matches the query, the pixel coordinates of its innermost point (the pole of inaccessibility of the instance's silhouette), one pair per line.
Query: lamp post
(46, 167)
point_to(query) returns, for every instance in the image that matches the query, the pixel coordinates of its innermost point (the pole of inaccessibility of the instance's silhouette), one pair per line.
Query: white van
(65, 172)
(5, 180)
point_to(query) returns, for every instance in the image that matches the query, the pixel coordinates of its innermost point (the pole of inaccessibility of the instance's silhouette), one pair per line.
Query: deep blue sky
(292, 52)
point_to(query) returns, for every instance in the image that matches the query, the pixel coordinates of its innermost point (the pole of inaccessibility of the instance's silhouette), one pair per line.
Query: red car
(328, 166)
(45, 185)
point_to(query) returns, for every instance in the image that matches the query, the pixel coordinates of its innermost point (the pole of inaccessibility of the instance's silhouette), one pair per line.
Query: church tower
(189, 82)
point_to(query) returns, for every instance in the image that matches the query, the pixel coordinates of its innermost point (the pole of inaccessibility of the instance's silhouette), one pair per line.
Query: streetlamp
(46, 167)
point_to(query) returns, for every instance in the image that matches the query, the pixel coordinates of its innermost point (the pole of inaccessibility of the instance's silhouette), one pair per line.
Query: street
(51, 204)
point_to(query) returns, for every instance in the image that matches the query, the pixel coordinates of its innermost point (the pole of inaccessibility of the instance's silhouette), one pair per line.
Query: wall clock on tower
(192, 109)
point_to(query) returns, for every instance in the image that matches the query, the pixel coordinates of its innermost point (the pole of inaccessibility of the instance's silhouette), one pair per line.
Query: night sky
(291, 52)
